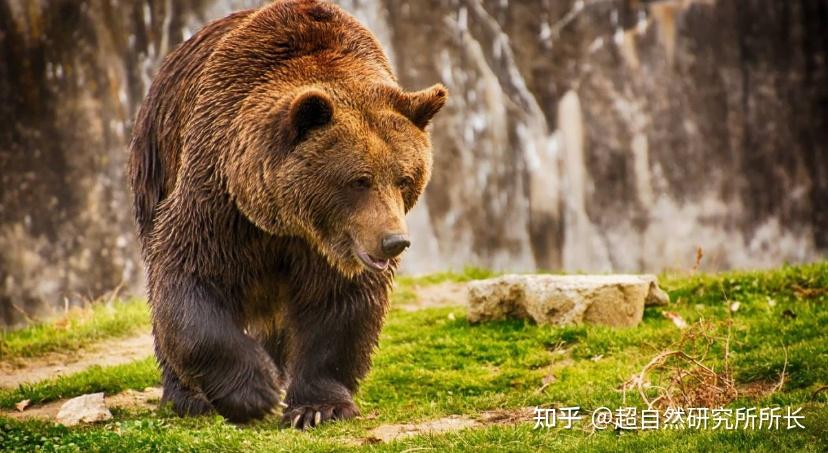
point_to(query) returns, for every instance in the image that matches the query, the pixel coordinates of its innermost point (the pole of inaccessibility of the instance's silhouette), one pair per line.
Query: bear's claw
(308, 416)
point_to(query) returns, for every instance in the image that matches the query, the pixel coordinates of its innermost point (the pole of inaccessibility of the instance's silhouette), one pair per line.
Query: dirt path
(105, 353)
(130, 399)
(440, 295)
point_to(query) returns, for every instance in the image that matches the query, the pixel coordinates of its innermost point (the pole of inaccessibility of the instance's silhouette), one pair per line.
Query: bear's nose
(394, 244)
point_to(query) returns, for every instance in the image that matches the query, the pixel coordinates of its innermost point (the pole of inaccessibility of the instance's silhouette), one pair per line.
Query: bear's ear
(308, 110)
(421, 106)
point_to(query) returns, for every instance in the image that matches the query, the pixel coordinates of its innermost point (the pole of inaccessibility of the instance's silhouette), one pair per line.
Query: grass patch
(467, 274)
(433, 363)
(76, 329)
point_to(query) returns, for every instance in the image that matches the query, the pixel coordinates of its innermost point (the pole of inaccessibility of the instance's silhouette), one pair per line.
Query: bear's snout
(389, 246)
(394, 244)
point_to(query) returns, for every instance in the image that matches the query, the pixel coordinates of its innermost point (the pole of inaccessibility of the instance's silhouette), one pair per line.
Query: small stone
(22, 405)
(84, 409)
(613, 300)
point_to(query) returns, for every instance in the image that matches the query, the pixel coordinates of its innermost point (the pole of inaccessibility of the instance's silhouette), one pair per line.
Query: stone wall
(580, 135)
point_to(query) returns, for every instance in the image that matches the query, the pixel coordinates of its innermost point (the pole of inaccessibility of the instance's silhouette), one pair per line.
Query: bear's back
(157, 135)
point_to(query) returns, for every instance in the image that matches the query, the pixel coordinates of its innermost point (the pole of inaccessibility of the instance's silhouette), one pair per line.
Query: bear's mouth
(373, 264)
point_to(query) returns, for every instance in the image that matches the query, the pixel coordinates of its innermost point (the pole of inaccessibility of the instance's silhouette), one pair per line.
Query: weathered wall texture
(583, 135)
(604, 135)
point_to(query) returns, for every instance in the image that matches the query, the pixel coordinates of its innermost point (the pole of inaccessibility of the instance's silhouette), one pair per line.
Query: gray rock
(613, 300)
(657, 297)
(84, 409)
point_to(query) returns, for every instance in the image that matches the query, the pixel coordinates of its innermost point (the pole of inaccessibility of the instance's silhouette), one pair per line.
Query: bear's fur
(272, 164)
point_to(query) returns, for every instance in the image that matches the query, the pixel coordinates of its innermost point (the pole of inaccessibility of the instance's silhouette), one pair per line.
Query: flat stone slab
(612, 300)
(84, 409)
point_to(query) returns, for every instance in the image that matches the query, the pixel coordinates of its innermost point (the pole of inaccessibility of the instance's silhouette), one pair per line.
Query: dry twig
(686, 381)
(782, 375)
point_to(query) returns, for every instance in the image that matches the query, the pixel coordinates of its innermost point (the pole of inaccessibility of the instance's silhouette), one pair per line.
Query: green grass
(433, 363)
(76, 329)
(154, 432)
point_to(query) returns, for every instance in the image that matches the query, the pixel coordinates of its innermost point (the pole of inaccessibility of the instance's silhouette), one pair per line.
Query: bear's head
(337, 169)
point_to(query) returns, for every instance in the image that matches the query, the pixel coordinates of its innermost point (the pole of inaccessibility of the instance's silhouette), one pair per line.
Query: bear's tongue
(380, 264)
(371, 262)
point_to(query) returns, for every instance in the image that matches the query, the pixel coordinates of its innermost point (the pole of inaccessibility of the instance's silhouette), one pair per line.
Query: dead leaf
(22, 405)
(678, 321)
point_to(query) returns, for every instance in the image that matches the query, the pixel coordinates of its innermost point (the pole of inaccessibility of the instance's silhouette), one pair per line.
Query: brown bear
(272, 165)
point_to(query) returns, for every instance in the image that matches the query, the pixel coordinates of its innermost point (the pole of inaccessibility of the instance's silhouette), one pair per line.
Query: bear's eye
(405, 182)
(362, 183)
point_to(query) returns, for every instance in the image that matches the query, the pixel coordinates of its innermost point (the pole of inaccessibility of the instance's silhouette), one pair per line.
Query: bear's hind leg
(185, 401)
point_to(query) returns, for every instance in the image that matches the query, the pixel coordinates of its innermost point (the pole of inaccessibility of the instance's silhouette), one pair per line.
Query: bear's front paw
(310, 415)
(252, 399)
